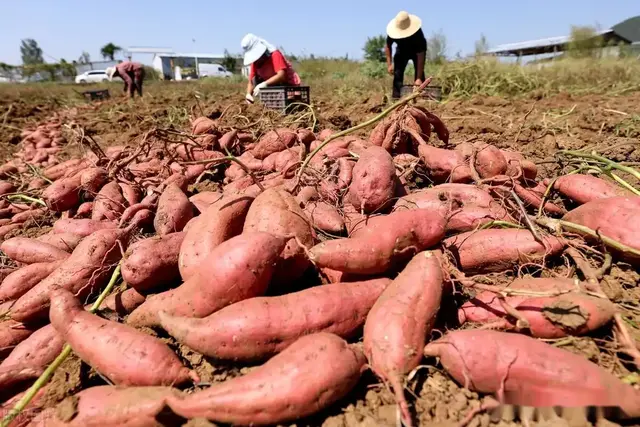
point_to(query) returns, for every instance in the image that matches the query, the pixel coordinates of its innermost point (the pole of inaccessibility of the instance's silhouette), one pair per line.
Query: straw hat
(403, 25)
(253, 48)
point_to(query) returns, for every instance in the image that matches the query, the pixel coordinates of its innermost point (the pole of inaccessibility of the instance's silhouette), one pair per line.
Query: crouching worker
(405, 31)
(269, 67)
(132, 73)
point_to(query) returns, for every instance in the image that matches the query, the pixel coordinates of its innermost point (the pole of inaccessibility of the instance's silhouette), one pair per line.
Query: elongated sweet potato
(274, 141)
(400, 321)
(260, 327)
(237, 269)
(518, 166)
(92, 180)
(533, 197)
(113, 349)
(324, 216)
(499, 249)
(445, 165)
(529, 372)
(432, 197)
(13, 333)
(86, 270)
(218, 223)
(21, 280)
(58, 171)
(109, 203)
(64, 241)
(152, 262)
(312, 373)
(373, 182)
(385, 243)
(585, 188)
(108, 406)
(31, 357)
(174, 211)
(203, 200)
(81, 227)
(63, 194)
(29, 251)
(277, 212)
(6, 187)
(30, 215)
(124, 302)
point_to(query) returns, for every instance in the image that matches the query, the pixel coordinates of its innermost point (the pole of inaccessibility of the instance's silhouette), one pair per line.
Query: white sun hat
(403, 25)
(110, 72)
(253, 48)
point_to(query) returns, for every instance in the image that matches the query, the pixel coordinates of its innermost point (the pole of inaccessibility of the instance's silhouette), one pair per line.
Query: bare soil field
(546, 130)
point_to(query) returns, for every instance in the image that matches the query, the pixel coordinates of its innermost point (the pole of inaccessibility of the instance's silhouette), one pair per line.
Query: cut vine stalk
(66, 351)
(597, 157)
(27, 198)
(368, 123)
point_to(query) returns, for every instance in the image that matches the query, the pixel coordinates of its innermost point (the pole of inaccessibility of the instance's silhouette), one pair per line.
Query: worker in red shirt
(132, 73)
(269, 67)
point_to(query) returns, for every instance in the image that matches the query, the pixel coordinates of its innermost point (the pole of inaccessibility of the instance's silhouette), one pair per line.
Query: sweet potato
(324, 217)
(107, 406)
(260, 327)
(203, 200)
(64, 241)
(312, 373)
(30, 215)
(58, 171)
(218, 223)
(102, 344)
(84, 210)
(496, 250)
(92, 180)
(533, 197)
(13, 333)
(373, 182)
(529, 372)
(585, 188)
(124, 302)
(25, 250)
(237, 269)
(549, 317)
(385, 243)
(445, 165)
(152, 262)
(109, 203)
(174, 211)
(489, 161)
(132, 195)
(203, 125)
(82, 227)
(33, 408)
(86, 270)
(277, 212)
(21, 280)
(400, 321)
(63, 194)
(6, 229)
(613, 217)
(6, 187)
(274, 141)
(518, 166)
(31, 357)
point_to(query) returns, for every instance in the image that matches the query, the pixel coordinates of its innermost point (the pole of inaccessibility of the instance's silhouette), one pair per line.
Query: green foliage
(374, 49)
(31, 52)
(229, 62)
(85, 58)
(437, 48)
(109, 51)
(374, 69)
(585, 42)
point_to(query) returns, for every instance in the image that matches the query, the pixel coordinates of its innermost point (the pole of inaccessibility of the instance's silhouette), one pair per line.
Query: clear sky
(64, 28)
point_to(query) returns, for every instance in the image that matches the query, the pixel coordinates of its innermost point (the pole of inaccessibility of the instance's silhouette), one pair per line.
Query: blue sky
(64, 28)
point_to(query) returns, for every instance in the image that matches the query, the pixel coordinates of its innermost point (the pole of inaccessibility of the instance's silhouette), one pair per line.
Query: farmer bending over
(269, 67)
(404, 30)
(132, 73)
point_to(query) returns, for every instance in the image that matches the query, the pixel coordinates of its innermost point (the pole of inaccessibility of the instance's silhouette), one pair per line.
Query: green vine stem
(499, 224)
(610, 163)
(27, 198)
(66, 351)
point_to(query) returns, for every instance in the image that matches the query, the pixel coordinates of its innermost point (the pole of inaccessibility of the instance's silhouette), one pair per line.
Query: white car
(213, 70)
(92, 76)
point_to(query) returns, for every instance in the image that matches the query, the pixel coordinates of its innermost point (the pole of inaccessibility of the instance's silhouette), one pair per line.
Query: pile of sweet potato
(288, 269)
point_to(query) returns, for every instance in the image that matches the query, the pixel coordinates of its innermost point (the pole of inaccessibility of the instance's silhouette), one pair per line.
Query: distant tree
(482, 45)
(31, 52)
(85, 58)
(437, 48)
(67, 69)
(584, 41)
(374, 49)
(109, 51)
(229, 62)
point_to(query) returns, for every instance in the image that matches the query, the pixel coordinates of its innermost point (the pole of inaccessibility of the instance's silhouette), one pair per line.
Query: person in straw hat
(132, 73)
(406, 32)
(269, 67)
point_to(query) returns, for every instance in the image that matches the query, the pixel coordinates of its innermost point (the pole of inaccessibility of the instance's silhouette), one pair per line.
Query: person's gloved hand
(249, 98)
(256, 90)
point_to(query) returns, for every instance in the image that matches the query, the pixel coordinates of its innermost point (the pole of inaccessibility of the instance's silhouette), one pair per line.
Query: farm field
(561, 121)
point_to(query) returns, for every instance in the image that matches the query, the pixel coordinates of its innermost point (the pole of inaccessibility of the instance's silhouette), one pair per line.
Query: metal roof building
(627, 32)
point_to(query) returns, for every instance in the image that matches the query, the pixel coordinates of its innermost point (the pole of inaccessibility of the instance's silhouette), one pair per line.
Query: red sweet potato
(174, 211)
(237, 269)
(64, 241)
(432, 197)
(25, 250)
(82, 227)
(108, 406)
(152, 262)
(21, 280)
(312, 373)
(84, 210)
(529, 372)
(63, 194)
(13, 333)
(124, 302)
(274, 141)
(132, 195)
(518, 166)
(109, 203)
(490, 161)
(92, 180)
(86, 270)
(373, 182)
(202, 125)
(30, 215)
(6, 229)
(260, 327)
(445, 165)
(115, 350)
(203, 200)
(324, 216)
(218, 223)
(277, 212)
(549, 317)
(385, 243)
(58, 171)
(33, 408)
(585, 188)
(400, 321)
(495, 250)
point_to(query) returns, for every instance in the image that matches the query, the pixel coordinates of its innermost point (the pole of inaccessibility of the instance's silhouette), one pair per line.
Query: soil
(538, 127)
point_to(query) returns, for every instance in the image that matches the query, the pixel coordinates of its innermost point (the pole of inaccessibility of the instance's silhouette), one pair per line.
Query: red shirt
(274, 63)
